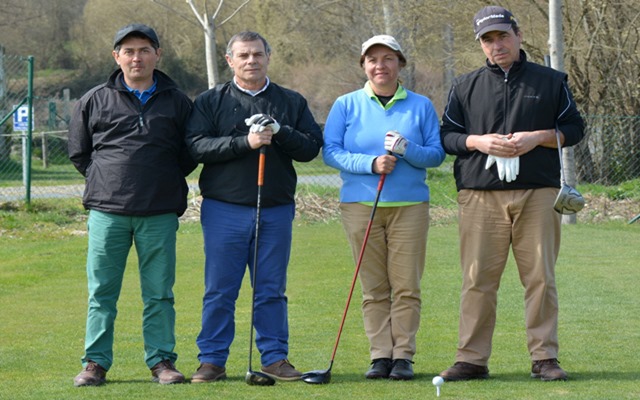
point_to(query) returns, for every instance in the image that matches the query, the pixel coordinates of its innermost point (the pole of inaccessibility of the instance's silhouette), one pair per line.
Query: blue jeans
(110, 239)
(229, 233)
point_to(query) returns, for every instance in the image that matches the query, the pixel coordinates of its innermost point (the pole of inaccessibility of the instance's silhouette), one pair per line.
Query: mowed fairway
(43, 309)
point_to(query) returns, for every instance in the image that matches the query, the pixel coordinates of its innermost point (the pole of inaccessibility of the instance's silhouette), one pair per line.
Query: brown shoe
(282, 370)
(166, 373)
(548, 370)
(208, 373)
(91, 375)
(462, 371)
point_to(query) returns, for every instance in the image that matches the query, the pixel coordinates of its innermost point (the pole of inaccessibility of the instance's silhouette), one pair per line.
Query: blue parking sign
(21, 119)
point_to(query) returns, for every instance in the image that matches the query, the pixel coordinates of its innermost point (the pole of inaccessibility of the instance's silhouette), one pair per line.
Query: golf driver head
(317, 377)
(569, 201)
(255, 378)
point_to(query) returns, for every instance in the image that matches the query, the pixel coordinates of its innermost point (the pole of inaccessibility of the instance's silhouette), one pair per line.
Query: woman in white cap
(384, 128)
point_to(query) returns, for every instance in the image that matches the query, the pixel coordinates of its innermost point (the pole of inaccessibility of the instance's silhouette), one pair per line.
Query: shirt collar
(252, 92)
(400, 94)
(145, 94)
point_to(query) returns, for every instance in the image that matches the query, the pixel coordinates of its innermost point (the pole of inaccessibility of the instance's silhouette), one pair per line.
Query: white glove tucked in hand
(258, 122)
(395, 143)
(508, 168)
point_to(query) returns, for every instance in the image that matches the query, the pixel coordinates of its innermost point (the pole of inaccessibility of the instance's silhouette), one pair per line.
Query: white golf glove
(508, 168)
(395, 143)
(258, 122)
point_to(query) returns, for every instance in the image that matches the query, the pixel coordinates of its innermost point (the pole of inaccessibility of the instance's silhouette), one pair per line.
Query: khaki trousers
(490, 222)
(390, 273)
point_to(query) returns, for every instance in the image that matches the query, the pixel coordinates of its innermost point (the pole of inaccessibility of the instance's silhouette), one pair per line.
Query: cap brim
(496, 27)
(388, 45)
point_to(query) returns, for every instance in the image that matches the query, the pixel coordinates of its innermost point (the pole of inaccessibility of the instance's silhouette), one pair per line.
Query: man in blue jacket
(127, 138)
(500, 122)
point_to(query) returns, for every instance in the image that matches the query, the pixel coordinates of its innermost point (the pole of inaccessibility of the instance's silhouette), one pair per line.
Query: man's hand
(257, 137)
(525, 141)
(492, 143)
(261, 122)
(395, 143)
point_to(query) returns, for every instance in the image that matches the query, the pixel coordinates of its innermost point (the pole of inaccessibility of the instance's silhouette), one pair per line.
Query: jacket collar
(517, 66)
(162, 80)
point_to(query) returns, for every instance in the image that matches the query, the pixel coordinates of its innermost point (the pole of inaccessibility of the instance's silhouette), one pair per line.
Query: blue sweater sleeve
(335, 152)
(424, 149)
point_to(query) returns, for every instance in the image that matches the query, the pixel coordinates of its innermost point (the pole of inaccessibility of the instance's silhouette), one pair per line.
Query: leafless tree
(207, 21)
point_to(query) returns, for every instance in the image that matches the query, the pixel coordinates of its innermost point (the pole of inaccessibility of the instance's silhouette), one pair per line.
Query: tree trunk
(556, 51)
(210, 52)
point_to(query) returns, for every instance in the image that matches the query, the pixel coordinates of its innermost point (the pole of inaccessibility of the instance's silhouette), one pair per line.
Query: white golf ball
(437, 381)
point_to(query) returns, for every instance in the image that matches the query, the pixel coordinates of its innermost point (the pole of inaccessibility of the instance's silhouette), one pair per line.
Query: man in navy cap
(126, 138)
(501, 123)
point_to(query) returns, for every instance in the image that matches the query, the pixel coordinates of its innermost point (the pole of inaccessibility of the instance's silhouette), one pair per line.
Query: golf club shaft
(357, 270)
(261, 160)
(562, 180)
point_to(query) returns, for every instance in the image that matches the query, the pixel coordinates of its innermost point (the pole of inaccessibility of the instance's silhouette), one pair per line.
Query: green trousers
(110, 239)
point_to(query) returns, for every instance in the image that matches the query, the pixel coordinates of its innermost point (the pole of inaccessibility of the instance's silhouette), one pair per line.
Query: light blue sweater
(354, 136)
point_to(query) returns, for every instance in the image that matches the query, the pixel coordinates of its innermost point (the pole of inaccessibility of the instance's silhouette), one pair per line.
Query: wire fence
(609, 155)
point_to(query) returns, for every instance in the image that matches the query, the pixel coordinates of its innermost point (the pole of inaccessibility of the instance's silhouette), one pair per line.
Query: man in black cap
(507, 114)
(127, 138)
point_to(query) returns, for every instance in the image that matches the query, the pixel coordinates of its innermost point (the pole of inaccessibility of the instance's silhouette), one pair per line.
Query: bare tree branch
(182, 15)
(215, 13)
(234, 13)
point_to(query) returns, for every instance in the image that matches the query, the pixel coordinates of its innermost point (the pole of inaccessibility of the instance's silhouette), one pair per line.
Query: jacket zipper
(141, 114)
(506, 102)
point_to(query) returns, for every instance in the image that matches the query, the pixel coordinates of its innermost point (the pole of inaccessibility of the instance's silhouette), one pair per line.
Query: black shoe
(402, 370)
(380, 369)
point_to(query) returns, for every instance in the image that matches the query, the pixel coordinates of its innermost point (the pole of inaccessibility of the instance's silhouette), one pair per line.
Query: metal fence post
(29, 132)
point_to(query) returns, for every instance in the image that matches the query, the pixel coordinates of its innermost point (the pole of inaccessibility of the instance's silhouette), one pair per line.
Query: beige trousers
(491, 222)
(390, 273)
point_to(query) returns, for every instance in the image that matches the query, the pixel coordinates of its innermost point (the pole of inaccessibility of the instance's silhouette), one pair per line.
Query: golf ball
(437, 381)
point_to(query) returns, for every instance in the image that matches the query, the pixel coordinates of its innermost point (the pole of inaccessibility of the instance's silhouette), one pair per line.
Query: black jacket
(133, 156)
(530, 97)
(217, 137)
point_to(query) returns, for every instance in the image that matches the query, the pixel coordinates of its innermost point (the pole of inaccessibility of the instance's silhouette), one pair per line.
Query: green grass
(43, 310)
(626, 190)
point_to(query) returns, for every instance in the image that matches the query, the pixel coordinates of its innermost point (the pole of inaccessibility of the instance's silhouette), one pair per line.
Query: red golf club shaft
(357, 270)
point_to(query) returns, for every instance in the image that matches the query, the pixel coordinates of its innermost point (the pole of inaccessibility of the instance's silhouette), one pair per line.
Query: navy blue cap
(137, 28)
(493, 18)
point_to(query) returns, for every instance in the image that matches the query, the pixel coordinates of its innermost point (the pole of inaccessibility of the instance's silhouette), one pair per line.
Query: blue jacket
(354, 136)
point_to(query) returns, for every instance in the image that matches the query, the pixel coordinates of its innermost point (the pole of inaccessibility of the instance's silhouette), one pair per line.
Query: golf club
(569, 201)
(254, 377)
(324, 376)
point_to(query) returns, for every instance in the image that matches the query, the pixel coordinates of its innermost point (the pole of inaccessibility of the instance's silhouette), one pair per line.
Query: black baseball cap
(137, 28)
(493, 18)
